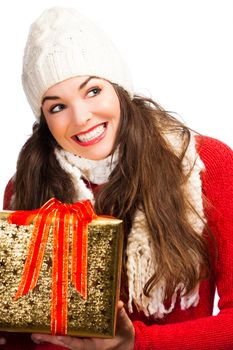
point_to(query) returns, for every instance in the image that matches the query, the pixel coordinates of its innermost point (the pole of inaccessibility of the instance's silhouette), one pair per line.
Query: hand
(124, 339)
(2, 341)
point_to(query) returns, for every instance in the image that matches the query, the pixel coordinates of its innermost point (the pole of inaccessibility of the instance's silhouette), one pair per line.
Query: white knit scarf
(140, 263)
(94, 171)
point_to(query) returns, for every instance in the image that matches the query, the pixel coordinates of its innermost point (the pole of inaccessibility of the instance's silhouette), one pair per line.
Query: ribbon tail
(74, 253)
(35, 254)
(59, 302)
(84, 260)
(79, 255)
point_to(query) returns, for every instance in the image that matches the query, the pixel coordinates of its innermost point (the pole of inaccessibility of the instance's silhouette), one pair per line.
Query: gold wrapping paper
(94, 317)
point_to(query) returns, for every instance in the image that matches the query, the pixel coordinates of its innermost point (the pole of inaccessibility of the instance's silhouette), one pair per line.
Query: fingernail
(2, 341)
(60, 338)
(35, 339)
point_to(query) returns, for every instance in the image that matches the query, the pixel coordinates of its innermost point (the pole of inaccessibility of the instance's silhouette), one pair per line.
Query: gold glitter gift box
(83, 298)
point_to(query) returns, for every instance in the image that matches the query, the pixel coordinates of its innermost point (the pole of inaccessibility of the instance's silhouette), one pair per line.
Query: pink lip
(93, 141)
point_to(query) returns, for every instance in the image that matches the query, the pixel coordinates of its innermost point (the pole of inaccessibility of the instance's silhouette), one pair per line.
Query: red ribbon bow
(61, 218)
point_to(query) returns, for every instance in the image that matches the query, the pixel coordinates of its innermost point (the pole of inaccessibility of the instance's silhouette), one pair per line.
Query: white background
(179, 52)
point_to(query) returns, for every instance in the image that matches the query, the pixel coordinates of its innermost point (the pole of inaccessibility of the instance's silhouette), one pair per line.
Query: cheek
(111, 106)
(56, 127)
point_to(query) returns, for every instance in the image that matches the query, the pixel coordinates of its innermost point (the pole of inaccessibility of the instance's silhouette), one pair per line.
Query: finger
(67, 341)
(77, 343)
(124, 324)
(2, 341)
(41, 338)
(120, 305)
(122, 317)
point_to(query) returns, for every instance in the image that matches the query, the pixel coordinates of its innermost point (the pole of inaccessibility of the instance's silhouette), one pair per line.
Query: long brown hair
(148, 176)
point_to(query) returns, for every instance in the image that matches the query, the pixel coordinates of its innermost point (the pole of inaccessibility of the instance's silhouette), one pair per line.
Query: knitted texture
(193, 328)
(63, 44)
(140, 263)
(95, 171)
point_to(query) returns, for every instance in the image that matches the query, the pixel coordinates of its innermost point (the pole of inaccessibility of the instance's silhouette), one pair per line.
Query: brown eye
(57, 108)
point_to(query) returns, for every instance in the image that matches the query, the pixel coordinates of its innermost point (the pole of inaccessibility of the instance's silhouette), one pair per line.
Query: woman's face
(83, 115)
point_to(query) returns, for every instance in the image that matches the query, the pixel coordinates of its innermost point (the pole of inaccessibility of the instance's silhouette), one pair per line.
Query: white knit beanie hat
(63, 44)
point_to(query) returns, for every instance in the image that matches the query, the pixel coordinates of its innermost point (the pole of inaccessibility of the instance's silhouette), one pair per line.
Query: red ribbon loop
(61, 218)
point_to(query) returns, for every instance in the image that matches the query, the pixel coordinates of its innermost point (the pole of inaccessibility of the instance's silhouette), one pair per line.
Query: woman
(95, 139)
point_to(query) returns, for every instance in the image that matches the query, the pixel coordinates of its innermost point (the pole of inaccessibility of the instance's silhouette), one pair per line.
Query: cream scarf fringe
(139, 251)
(140, 264)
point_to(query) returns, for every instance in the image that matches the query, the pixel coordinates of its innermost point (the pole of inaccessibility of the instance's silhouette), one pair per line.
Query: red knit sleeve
(210, 332)
(8, 195)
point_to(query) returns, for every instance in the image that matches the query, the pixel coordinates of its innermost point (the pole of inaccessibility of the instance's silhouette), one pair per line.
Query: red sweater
(194, 328)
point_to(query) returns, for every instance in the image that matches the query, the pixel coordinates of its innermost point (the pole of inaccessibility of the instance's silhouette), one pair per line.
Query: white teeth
(92, 134)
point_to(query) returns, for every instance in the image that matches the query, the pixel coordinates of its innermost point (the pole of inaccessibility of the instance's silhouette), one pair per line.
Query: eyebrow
(80, 88)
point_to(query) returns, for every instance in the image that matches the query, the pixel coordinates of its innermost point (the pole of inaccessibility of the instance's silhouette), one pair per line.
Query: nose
(80, 114)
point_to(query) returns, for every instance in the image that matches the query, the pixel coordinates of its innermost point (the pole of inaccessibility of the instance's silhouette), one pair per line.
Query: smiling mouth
(92, 136)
